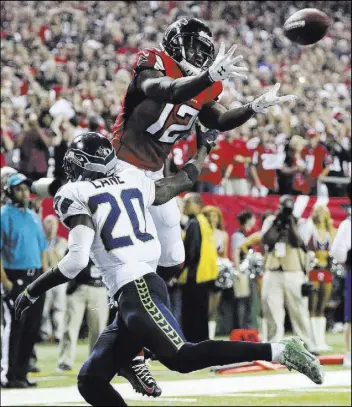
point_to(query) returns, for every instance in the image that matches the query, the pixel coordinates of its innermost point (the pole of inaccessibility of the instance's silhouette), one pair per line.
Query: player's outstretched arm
(216, 116)
(80, 240)
(169, 187)
(165, 89)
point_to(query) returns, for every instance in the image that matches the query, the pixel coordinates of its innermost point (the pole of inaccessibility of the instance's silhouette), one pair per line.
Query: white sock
(139, 358)
(276, 351)
(212, 329)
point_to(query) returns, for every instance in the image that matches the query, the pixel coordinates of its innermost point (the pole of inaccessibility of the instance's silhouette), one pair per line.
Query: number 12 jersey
(145, 129)
(125, 245)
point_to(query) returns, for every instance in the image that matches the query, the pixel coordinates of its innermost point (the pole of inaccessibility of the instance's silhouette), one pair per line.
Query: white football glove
(224, 65)
(270, 98)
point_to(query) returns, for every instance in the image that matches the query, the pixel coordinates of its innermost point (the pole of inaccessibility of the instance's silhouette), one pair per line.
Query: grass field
(204, 387)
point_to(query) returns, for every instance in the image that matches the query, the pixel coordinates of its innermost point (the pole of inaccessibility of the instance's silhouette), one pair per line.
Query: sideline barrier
(231, 206)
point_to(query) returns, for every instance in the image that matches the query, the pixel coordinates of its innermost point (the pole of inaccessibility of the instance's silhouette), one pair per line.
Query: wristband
(31, 299)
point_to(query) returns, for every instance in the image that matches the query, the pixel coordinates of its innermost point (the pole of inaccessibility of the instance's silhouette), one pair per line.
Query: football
(307, 26)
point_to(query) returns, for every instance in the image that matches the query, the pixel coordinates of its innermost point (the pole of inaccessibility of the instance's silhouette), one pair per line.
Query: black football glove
(22, 303)
(206, 138)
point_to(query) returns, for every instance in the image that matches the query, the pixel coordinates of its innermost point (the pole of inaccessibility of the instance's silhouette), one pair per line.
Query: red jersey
(145, 129)
(239, 147)
(316, 159)
(264, 158)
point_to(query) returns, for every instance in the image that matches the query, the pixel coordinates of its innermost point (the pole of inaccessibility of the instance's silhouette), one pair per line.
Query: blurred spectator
(173, 285)
(341, 251)
(292, 174)
(221, 239)
(242, 289)
(322, 234)
(235, 182)
(55, 299)
(317, 161)
(200, 270)
(6, 173)
(6, 141)
(85, 294)
(34, 145)
(212, 170)
(264, 165)
(21, 263)
(285, 268)
(340, 158)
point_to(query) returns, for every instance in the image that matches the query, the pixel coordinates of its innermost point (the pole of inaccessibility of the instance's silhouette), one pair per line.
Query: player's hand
(22, 303)
(206, 137)
(224, 65)
(270, 98)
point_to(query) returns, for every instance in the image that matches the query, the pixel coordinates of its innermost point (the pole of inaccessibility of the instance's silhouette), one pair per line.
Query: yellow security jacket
(207, 269)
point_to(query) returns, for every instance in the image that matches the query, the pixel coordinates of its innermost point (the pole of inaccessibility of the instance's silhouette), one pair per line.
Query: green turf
(332, 396)
(48, 354)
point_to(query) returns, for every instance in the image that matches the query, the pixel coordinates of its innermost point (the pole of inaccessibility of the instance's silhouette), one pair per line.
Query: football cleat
(138, 374)
(295, 356)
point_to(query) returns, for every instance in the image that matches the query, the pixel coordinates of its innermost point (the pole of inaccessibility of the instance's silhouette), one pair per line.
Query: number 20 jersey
(125, 245)
(145, 129)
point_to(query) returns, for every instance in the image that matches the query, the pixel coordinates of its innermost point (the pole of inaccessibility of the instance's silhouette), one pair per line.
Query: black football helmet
(90, 156)
(190, 43)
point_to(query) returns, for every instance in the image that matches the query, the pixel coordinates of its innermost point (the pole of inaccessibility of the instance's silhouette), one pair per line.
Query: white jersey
(125, 245)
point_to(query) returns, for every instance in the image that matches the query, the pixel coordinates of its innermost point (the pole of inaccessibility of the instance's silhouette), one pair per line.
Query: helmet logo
(143, 58)
(77, 158)
(103, 152)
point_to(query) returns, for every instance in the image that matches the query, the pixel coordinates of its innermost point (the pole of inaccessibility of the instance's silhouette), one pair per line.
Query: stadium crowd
(66, 67)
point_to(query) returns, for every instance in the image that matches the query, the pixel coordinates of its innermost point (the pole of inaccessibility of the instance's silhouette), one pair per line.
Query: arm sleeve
(80, 240)
(192, 242)
(342, 242)
(215, 116)
(175, 91)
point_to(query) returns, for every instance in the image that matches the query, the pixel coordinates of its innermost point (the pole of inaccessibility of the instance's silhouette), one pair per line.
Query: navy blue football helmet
(90, 156)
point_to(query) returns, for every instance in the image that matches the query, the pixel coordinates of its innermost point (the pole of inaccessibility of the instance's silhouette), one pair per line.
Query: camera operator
(285, 276)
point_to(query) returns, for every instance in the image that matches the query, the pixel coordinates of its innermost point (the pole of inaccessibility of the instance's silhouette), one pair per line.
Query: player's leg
(167, 220)
(115, 347)
(144, 311)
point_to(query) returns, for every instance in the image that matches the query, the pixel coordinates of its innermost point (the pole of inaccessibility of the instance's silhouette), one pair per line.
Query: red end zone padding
(247, 335)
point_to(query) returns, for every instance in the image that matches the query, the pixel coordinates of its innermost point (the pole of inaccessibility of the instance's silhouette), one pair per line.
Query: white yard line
(179, 388)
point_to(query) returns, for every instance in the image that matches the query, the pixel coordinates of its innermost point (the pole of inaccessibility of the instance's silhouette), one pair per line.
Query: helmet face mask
(89, 157)
(189, 42)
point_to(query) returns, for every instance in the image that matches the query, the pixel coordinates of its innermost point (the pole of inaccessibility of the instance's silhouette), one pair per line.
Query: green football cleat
(295, 356)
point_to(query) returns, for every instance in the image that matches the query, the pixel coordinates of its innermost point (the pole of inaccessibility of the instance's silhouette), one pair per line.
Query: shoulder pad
(68, 202)
(153, 58)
